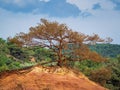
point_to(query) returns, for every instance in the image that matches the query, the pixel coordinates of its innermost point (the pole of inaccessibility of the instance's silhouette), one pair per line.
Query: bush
(101, 76)
(3, 68)
(87, 66)
(14, 65)
(8, 64)
(3, 59)
(114, 82)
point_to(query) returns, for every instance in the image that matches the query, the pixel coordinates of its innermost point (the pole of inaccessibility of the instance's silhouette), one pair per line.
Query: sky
(101, 17)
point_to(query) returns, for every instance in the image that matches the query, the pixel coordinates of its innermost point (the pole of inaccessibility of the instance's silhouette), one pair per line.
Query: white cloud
(83, 5)
(87, 5)
(107, 5)
(105, 22)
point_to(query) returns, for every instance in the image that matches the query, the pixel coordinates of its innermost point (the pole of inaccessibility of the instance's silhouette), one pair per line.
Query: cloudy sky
(87, 16)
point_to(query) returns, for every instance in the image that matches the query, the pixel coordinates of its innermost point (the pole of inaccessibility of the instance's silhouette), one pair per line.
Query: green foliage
(114, 82)
(106, 50)
(17, 52)
(87, 66)
(3, 59)
(8, 64)
(27, 64)
(3, 46)
(3, 67)
(14, 65)
(101, 76)
(16, 57)
(105, 73)
(118, 58)
(42, 54)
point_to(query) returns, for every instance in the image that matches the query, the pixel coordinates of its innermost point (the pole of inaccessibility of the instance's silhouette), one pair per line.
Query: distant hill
(106, 50)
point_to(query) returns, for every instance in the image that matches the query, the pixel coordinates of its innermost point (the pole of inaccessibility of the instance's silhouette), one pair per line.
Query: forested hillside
(106, 50)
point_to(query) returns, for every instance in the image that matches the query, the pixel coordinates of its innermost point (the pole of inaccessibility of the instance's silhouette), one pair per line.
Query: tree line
(106, 50)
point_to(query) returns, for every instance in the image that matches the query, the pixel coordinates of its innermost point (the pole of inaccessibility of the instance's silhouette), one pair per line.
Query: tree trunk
(59, 63)
(60, 57)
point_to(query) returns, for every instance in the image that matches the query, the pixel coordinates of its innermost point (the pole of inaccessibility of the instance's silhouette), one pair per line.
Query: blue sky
(87, 16)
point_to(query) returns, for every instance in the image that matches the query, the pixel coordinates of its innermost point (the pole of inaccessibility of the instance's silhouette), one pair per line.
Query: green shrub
(87, 66)
(14, 65)
(101, 76)
(4, 67)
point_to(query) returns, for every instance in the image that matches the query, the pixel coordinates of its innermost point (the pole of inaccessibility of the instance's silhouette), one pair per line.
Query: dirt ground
(46, 78)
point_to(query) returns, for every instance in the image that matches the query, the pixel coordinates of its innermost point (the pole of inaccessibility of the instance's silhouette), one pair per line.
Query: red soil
(42, 78)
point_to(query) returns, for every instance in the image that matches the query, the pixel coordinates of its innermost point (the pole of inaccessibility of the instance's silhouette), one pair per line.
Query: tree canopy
(64, 42)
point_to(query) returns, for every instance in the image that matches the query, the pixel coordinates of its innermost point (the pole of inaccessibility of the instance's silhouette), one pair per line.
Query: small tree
(65, 43)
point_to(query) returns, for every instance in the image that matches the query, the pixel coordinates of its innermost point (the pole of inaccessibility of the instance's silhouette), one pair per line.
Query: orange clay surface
(46, 78)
